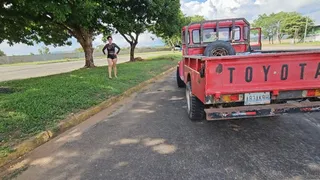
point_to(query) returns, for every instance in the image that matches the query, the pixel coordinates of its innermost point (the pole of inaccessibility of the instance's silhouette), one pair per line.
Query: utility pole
(278, 32)
(296, 28)
(305, 31)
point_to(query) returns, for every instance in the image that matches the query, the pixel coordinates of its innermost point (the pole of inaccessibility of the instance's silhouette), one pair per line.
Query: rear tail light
(232, 98)
(311, 93)
(253, 113)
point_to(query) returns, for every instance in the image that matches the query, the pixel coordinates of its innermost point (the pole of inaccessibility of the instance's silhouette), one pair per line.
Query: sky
(210, 9)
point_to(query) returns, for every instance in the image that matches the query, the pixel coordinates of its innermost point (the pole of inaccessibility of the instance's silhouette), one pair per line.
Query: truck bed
(263, 71)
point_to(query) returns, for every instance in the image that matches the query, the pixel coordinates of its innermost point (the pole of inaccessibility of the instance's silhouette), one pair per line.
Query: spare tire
(219, 48)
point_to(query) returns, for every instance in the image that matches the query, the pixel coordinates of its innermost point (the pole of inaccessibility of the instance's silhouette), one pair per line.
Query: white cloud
(250, 9)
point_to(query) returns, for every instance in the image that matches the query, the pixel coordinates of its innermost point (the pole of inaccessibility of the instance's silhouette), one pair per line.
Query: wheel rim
(219, 52)
(188, 94)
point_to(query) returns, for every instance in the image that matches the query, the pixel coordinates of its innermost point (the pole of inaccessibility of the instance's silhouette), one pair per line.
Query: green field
(30, 106)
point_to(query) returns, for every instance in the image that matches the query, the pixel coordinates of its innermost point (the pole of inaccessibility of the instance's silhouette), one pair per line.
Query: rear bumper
(261, 110)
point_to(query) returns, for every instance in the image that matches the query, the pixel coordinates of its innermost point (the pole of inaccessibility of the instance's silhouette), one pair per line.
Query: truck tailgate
(262, 72)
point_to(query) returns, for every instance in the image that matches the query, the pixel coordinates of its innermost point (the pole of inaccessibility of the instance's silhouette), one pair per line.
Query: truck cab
(228, 76)
(197, 36)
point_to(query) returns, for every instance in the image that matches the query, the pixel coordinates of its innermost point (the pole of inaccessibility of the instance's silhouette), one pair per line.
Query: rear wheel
(180, 83)
(195, 107)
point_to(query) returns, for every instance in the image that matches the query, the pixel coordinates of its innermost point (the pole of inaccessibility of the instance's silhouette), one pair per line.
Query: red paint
(240, 45)
(311, 93)
(251, 113)
(234, 97)
(260, 72)
(220, 83)
(275, 92)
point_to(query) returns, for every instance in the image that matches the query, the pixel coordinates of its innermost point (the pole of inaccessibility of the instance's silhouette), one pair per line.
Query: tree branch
(82, 32)
(132, 38)
(67, 28)
(137, 36)
(125, 37)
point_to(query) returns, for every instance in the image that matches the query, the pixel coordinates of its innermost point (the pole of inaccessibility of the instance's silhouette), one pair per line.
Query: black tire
(219, 48)
(195, 107)
(180, 83)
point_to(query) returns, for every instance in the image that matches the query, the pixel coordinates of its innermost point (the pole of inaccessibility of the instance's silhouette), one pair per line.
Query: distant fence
(309, 38)
(313, 38)
(52, 57)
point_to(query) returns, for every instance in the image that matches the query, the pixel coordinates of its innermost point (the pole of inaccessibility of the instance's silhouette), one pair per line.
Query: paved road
(150, 137)
(37, 70)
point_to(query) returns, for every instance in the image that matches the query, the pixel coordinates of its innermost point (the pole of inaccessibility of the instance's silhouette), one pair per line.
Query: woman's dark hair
(109, 37)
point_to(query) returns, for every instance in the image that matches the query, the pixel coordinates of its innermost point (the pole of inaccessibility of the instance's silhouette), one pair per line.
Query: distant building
(314, 34)
(316, 29)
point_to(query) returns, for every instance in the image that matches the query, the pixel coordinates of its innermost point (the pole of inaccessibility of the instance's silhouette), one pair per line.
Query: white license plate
(257, 98)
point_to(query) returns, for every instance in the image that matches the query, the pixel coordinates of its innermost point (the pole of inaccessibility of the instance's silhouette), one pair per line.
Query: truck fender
(181, 70)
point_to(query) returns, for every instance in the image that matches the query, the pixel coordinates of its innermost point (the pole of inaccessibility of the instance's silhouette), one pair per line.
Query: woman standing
(112, 56)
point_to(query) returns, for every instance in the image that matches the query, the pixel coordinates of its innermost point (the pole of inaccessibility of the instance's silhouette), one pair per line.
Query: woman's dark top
(111, 49)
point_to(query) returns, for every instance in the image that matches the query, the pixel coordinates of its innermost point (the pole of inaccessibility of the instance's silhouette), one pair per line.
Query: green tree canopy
(279, 24)
(2, 53)
(296, 23)
(191, 19)
(54, 22)
(44, 50)
(141, 15)
(174, 37)
(267, 24)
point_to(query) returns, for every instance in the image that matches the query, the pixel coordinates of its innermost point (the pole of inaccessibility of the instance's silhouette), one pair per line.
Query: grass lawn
(30, 106)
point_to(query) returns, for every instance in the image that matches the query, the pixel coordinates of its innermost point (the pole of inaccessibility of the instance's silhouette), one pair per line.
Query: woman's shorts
(112, 56)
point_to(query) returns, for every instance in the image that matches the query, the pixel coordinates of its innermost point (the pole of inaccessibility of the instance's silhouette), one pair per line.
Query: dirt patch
(6, 90)
(138, 59)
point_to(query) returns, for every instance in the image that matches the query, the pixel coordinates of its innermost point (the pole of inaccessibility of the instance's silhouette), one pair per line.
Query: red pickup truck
(228, 77)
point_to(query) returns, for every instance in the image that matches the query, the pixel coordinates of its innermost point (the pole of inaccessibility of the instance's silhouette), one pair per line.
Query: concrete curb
(73, 120)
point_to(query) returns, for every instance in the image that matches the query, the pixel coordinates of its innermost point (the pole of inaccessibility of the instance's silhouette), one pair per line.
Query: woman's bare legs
(114, 65)
(110, 65)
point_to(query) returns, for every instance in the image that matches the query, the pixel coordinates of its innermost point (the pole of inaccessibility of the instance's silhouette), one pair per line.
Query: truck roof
(221, 22)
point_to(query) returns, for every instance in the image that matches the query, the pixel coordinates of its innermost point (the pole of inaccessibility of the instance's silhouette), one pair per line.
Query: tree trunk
(279, 39)
(85, 39)
(172, 46)
(132, 48)
(88, 52)
(133, 41)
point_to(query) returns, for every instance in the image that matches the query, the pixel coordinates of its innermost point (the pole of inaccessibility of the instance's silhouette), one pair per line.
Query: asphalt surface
(38, 70)
(151, 137)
